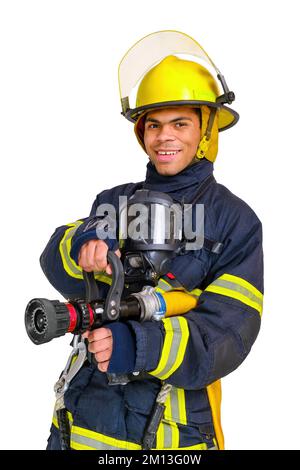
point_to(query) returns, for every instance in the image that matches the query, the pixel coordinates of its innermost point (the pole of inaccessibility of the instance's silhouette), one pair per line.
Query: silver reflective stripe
(167, 436)
(177, 336)
(237, 288)
(173, 351)
(92, 443)
(82, 439)
(163, 285)
(176, 407)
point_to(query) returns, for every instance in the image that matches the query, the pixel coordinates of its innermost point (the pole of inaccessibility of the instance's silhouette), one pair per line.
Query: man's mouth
(167, 155)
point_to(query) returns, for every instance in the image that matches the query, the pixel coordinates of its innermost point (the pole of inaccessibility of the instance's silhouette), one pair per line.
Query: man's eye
(180, 124)
(152, 126)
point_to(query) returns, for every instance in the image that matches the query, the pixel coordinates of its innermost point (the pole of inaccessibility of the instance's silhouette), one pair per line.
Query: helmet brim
(227, 116)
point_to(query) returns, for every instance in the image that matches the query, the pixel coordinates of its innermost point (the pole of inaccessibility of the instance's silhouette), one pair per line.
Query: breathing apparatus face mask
(150, 235)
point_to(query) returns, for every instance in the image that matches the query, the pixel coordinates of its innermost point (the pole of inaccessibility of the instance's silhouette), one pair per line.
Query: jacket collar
(183, 184)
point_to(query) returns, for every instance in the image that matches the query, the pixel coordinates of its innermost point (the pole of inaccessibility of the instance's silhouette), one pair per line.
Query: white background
(63, 140)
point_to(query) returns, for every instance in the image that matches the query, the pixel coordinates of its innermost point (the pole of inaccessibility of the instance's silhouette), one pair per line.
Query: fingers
(93, 256)
(84, 255)
(90, 254)
(100, 256)
(99, 334)
(108, 269)
(103, 367)
(101, 344)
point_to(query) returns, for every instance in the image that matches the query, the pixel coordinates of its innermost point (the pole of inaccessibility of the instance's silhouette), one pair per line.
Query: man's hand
(93, 256)
(100, 344)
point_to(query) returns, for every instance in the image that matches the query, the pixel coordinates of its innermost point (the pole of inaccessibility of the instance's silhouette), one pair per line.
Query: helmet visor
(149, 51)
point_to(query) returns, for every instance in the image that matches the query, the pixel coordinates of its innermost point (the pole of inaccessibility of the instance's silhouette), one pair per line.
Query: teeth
(168, 153)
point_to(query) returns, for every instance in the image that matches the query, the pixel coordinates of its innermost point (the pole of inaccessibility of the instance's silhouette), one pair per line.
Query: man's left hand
(100, 344)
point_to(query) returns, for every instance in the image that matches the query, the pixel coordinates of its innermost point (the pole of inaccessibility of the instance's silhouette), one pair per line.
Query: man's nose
(165, 133)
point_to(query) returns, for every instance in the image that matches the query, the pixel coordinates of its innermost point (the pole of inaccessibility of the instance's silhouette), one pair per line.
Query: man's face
(171, 138)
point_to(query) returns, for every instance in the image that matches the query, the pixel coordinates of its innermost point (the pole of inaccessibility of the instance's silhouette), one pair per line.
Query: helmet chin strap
(204, 142)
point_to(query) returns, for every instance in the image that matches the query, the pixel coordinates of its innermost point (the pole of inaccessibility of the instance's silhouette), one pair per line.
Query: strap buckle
(74, 364)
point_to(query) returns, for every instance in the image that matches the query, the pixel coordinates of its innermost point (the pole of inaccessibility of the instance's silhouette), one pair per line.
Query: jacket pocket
(99, 406)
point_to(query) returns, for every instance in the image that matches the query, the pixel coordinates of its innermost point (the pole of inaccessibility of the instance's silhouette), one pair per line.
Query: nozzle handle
(113, 299)
(91, 288)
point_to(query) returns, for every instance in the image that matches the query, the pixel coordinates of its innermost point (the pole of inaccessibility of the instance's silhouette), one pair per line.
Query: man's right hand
(93, 256)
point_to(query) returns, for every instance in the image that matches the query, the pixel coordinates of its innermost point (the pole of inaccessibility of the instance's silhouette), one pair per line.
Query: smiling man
(166, 391)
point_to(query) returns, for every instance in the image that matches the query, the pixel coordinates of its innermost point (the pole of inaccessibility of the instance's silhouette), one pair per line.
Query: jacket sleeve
(60, 270)
(59, 260)
(193, 350)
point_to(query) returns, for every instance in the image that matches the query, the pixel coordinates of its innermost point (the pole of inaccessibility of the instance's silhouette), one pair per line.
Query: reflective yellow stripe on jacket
(175, 412)
(237, 288)
(69, 264)
(176, 339)
(65, 247)
(175, 406)
(84, 439)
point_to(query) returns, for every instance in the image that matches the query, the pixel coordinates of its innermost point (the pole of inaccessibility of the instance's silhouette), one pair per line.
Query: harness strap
(213, 246)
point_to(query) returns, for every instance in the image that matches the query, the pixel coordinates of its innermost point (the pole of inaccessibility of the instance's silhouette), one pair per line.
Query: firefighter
(180, 109)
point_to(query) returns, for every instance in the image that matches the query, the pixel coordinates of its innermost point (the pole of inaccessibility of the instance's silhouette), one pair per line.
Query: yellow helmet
(175, 81)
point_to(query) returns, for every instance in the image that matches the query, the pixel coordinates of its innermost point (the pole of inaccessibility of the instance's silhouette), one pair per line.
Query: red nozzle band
(73, 317)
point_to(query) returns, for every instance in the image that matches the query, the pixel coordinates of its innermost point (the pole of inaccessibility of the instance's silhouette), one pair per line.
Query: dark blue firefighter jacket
(191, 352)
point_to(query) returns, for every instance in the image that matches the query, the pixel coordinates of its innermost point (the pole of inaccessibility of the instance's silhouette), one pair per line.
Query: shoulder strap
(203, 187)
(210, 245)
